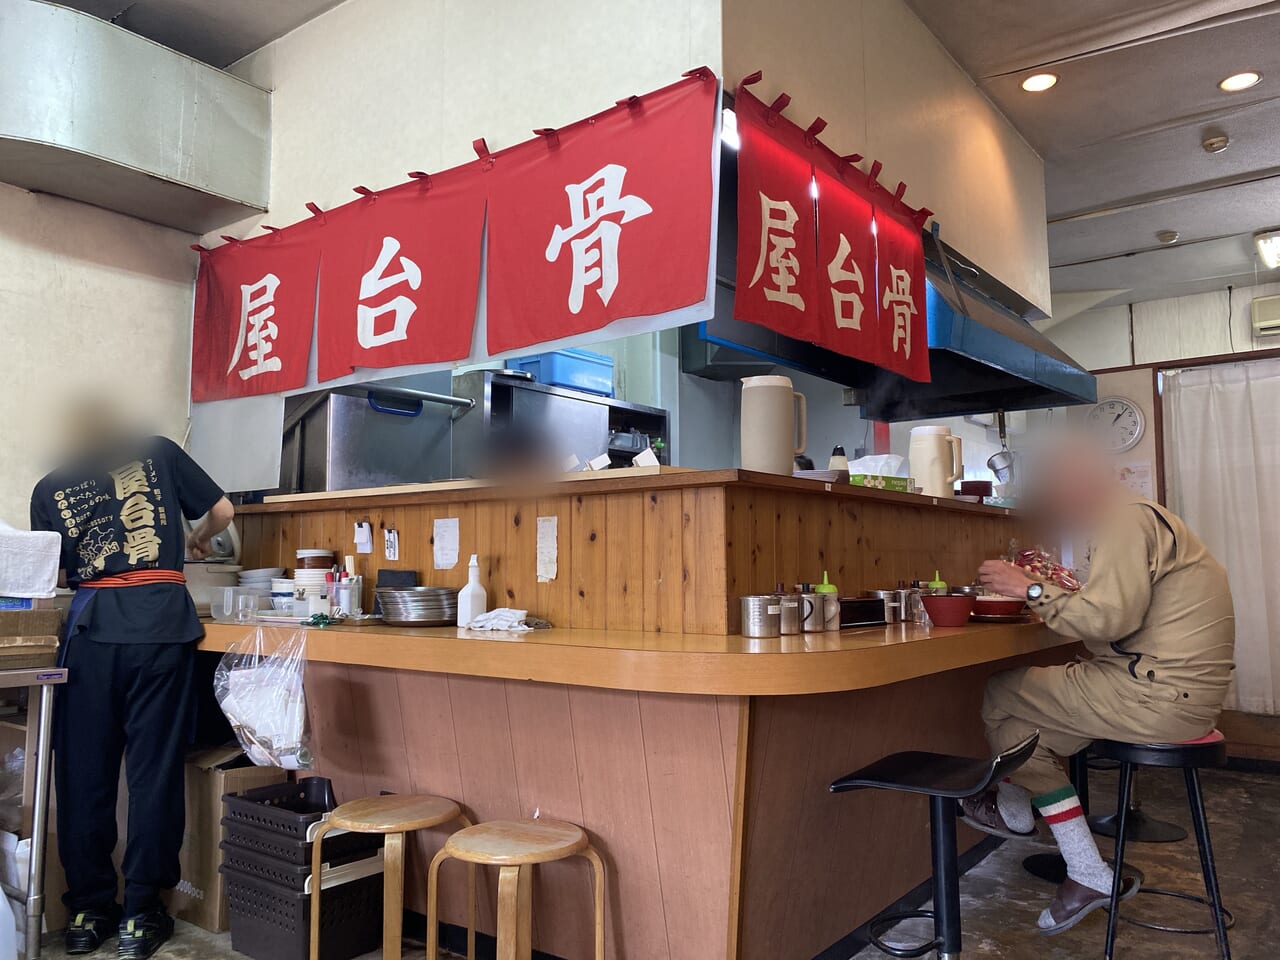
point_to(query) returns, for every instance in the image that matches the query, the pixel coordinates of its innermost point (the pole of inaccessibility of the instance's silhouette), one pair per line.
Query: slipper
(1080, 901)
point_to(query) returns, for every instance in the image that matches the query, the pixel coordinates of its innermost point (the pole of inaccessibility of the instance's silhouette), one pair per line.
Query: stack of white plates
(312, 582)
(419, 606)
(259, 581)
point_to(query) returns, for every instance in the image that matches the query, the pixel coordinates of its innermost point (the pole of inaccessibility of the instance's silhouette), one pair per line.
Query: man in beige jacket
(1156, 619)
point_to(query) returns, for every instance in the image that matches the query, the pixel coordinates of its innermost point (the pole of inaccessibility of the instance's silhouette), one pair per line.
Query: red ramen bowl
(949, 611)
(999, 606)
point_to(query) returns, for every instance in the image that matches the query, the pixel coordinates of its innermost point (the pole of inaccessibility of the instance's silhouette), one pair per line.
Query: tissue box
(897, 484)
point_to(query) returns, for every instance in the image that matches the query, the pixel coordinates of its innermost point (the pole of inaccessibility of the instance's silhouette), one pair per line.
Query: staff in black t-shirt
(129, 647)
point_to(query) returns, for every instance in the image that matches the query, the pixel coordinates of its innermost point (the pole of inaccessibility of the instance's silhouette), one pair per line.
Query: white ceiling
(1120, 133)
(217, 32)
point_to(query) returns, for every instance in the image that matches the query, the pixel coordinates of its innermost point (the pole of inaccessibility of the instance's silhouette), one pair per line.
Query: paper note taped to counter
(444, 543)
(548, 548)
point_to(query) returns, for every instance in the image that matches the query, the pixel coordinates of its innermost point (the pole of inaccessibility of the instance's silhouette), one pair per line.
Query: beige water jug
(936, 462)
(774, 424)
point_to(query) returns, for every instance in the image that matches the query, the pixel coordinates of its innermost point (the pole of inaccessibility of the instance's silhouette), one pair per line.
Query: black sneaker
(90, 929)
(143, 935)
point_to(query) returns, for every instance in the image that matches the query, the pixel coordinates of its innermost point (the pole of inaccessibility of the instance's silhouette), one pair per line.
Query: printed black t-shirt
(119, 513)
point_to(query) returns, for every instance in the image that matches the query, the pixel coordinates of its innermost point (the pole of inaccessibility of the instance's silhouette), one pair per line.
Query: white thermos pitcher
(774, 424)
(936, 463)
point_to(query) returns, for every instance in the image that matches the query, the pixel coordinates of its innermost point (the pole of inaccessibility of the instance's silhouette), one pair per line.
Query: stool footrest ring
(877, 928)
(1228, 918)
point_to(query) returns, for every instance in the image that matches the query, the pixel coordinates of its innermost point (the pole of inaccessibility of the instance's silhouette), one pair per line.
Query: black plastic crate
(285, 808)
(272, 922)
(287, 873)
(338, 847)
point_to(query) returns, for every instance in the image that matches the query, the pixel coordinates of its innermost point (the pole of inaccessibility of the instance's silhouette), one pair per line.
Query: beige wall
(375, 88)
(1180, 328)
(87, 298)
(891, 92)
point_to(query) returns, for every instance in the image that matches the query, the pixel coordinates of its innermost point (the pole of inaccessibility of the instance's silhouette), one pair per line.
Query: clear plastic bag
(259, 686)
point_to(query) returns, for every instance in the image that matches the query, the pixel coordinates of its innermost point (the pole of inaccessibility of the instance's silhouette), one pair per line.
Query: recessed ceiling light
(1167, 236)
(1039, 82)
(1240, 81)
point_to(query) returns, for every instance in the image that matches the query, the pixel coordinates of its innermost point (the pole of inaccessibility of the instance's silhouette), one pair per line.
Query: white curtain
(1222, 450)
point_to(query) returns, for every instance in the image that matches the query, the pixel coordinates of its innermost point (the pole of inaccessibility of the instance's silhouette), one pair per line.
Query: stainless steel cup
(761, 616)
(790, 616)
(813, 618)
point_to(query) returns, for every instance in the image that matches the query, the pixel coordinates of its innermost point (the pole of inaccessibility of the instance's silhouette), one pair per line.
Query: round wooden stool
(394, 816)
(514, 846)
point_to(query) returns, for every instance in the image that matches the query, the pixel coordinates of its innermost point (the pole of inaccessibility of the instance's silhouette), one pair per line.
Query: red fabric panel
(400, 275)
(904, 329)
(848, 315)
(777, 271)
(605, 219)
(254, 307)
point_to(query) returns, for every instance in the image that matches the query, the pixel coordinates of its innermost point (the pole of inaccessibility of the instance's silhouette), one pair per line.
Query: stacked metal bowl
(418, 606)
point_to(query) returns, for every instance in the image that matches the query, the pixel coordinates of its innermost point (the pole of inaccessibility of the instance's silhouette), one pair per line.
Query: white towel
(28, 562)
(504, 618)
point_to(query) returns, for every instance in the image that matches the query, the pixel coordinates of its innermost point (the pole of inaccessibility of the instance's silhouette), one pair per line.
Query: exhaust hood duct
(95, 113)
(982, 354)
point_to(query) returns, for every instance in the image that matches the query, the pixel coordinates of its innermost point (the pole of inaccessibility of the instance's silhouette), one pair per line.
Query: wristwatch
(1035, 591)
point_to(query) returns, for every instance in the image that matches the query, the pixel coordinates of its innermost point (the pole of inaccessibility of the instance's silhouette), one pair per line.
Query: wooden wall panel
(624, 560)
(646, 775)
(706, 578)
(587, 563)
(817, 865)
(663, 572)
(663, 559)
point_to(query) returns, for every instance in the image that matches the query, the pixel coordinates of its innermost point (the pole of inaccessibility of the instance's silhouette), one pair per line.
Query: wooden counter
(674, 662)
(697, 759)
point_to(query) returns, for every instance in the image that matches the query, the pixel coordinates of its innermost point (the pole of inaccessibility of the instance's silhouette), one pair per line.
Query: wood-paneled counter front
(697, 759)
(662, 553)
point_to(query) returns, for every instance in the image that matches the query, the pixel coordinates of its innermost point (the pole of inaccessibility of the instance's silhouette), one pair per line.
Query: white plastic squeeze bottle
(472, 599)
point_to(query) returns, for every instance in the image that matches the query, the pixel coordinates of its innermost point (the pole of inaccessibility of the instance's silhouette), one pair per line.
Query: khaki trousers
(1075, 704)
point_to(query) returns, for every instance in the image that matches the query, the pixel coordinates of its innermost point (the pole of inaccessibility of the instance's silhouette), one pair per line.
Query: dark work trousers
(131, 701)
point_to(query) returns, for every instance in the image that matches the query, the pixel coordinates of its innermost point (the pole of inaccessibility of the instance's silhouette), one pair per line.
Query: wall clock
(1118, 422)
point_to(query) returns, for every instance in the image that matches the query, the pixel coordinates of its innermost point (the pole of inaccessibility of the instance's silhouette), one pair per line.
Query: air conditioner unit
(1266, 316)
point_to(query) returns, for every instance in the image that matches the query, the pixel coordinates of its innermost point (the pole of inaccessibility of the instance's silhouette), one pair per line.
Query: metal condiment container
(893, 608)
(761, 616)
(789, 604)
(813, 617)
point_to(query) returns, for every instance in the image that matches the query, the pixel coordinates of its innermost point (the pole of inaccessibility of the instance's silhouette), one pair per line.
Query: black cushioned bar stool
(944, 779)
(1208, 751)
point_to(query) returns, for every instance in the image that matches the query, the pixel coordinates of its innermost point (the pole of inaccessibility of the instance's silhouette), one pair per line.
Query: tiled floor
(1001, 901)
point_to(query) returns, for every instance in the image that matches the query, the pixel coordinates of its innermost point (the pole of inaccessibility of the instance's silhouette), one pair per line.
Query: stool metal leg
(1122, 811)
(946, 877)
(1201, 824)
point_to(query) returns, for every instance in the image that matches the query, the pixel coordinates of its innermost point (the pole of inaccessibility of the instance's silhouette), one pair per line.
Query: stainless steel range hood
(983, 355)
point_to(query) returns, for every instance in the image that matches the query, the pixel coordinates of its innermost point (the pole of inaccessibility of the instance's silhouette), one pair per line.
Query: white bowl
(261, 573)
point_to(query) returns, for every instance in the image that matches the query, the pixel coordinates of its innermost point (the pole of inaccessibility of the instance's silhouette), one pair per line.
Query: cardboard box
(897, 484)
(29, 638)
(200, 896)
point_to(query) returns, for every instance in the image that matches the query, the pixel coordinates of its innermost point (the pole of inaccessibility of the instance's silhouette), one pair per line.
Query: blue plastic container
(572, 368)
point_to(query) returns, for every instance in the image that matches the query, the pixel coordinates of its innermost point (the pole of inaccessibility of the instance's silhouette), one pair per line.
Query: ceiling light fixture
(1039, 82)
(1268, 244)
(1167, 236)
(1240, 81)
